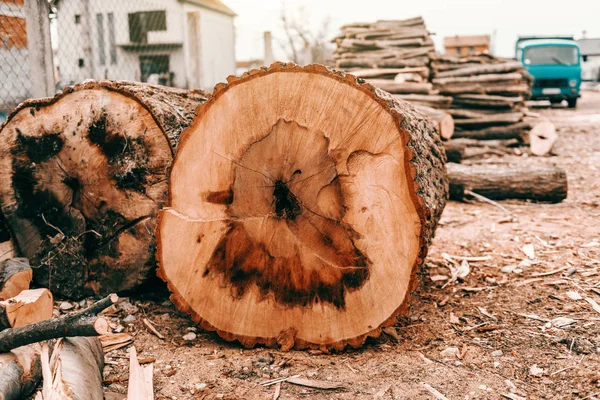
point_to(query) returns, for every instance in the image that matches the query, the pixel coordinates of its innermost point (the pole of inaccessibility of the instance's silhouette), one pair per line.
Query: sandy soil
(494, 334)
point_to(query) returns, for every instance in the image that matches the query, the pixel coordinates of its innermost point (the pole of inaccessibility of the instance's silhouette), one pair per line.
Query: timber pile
(488, 95)
(82, 176)
(277, 244)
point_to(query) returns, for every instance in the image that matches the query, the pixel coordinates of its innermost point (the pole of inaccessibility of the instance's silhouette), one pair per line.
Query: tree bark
(15, 276)
(455, 151)
(443, 121)
(389, 73)
(491, 119)
(82, 176)
(499, 182)
(74, 371)
(83, 323)
(482, 69)
(486, 101)
(431, 100)
(486, 78)
(20, 372)
(27, 307)
(404, 87)
(513, 131)
(312, 209)
(508, 88)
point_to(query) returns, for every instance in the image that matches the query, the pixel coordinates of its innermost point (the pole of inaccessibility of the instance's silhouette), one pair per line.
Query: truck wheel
(572, 103)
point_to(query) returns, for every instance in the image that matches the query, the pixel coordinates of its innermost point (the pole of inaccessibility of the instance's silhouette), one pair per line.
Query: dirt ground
(515, 327)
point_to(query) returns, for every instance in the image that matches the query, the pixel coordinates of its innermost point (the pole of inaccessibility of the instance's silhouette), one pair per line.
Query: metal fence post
(37, 15)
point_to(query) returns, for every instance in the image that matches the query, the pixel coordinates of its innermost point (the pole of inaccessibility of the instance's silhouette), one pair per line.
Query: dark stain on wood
(112, 144)
(38, 148)
(222, 197)
(285, 202)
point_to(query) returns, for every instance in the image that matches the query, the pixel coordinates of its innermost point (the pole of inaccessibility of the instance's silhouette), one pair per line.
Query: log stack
(488, 95)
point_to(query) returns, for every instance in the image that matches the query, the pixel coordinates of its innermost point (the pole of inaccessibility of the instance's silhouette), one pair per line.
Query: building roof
(466, 41)
(589, 47)
(546, 42)
(215, 5)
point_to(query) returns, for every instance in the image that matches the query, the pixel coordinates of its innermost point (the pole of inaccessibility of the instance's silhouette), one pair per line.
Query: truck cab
(555, 66)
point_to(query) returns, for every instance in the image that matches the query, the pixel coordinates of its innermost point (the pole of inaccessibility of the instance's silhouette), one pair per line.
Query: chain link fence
(46, 45)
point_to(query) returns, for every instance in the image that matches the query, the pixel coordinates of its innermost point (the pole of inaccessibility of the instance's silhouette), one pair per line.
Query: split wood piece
(74, 371)
(455, 151)
(82, 323)
(401, 87)
(542, 138)
(513, 131)
(82, 176)
(27, 307)
(501, 181)
(390, 73)
(506, 67)
(277, 243)
(486, 101)
(141, 386)
(443, 121)
(7, 250)
(15, 276)
(514, 77)
(115, 341)
(490, 119)
(434, 101)
(20, 372)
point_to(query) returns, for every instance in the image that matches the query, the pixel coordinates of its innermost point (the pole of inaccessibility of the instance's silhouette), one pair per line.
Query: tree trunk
(434, 101)
(498, 119)
(499, 182)
(443, 121)
(482, 69)
(488, 78)
(310, 210)
(20, 372)
(513, 131)
(486, 101)
(15, 276)
(82, 176)
(508, 88)
(75, 370)
(26, 308)
(455, 151)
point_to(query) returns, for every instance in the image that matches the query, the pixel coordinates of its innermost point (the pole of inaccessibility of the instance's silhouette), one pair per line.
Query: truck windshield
(553, 55)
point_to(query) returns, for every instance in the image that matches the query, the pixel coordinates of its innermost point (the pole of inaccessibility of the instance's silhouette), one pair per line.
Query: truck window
(551, 55)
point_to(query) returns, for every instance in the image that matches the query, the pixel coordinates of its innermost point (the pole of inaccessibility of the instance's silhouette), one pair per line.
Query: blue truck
(555, 66)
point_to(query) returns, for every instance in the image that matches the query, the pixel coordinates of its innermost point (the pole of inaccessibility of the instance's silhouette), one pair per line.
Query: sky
(505, 20)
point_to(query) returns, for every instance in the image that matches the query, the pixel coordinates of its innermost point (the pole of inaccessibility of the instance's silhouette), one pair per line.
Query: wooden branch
(513, 87)
(514, 131)
(15, 276)
(477, 79)
(20, 372)
(435, 101)
(83, 323)
(443, 121)
(482, 69)
(383, 73)
(28, 307)
(500, 181)
(455, 151)
(404, 87)
(492, 119)
(486, 101)
(140, 379)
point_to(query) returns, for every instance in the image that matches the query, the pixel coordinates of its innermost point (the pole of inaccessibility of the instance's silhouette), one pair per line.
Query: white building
(182, 43)
(590, 54)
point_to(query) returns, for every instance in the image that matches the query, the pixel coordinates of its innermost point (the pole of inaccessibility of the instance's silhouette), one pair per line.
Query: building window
(471, 50)
(81, 63)
(111, 38)
(100, 25)
(458, 50)
(140, 23)
(155, 69)
(77, 18)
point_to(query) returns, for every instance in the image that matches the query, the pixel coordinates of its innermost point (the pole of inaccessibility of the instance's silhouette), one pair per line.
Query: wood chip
(274, 381)
(152, 329)
(434, 392)
(324, 385)
(115, 341)
(513, 396)
(555, 271)
(487, 314)
(529, 251)
(277, 391)
(594, 304)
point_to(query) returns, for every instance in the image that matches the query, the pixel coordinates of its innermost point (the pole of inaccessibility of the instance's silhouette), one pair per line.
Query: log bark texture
(499, 182)
(313, 209)
(455, 151)
(443, 122)
(20, 372)
(15, 276)
(82, 176)
(513, 131)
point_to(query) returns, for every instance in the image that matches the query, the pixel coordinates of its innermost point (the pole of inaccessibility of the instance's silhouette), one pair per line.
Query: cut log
(455, 151)
(390, 73)
(542, 137)
(400, 87)
(74, 371)
(499, 182)
(486, 101)
(82, 323)
(27, 307)
(453, 80)
(514, 131)
(15, 276)
(509, 88)
(20, 372)
(482, 69)
(443, 121)
(487, 120)
(82, 176)
(140, 382)
(382, 63)
(434, 101)
(309, 212)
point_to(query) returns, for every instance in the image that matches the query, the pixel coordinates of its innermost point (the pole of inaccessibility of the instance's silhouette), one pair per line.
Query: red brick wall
(13, 30)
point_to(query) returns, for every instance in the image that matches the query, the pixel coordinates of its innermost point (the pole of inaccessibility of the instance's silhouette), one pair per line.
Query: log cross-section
(302, 203)
(82, 176)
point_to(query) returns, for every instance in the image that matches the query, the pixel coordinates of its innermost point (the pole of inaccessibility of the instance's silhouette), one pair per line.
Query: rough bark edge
(189, 103)
(406, 117)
